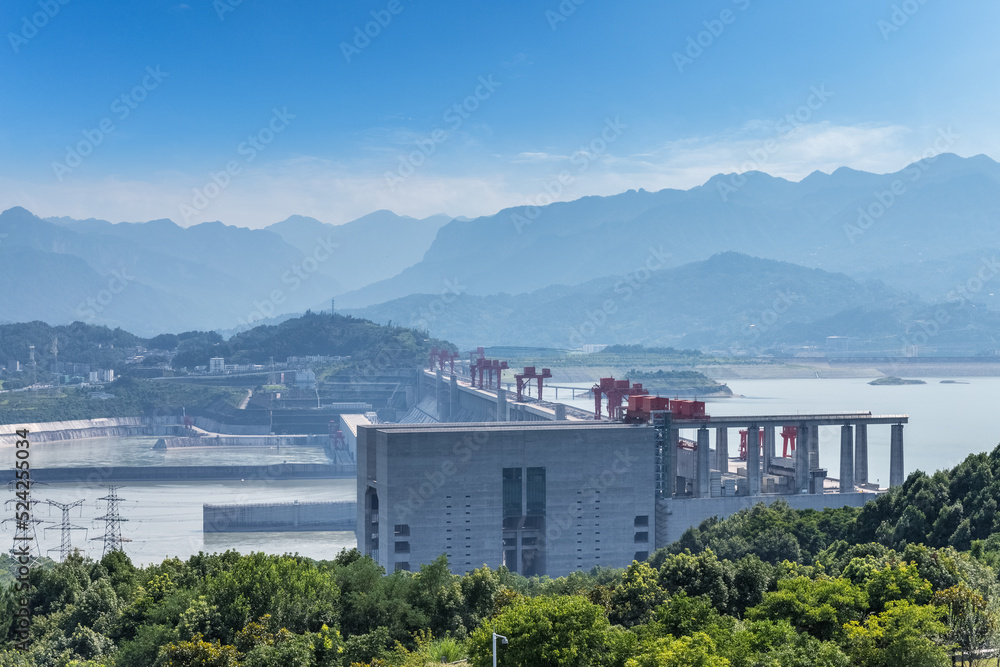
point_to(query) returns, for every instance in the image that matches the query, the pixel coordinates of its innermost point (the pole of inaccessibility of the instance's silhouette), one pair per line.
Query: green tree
(632, 602)
(558, 631)
(904, 634)
(698, 650)
(820, 607)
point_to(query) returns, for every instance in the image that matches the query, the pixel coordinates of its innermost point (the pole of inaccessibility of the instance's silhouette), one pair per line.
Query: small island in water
(894, 381)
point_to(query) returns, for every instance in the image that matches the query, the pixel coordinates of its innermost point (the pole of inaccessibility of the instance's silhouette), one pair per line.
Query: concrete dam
(279, 517)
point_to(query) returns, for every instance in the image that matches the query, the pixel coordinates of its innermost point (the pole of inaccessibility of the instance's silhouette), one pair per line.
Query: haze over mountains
(843, 254)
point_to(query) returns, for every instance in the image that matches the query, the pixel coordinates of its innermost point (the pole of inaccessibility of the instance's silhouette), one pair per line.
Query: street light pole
(504, 641)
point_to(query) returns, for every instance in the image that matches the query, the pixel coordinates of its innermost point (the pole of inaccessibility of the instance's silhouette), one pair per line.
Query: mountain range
(157, 276)
(744, 262)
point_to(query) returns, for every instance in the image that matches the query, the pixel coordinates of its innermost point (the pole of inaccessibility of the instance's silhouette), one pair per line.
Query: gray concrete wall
(278, 517)
(445, 484)
(677, 515)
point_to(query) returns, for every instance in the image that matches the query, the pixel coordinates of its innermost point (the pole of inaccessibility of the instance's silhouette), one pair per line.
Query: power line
(65, 527)
(113, 540)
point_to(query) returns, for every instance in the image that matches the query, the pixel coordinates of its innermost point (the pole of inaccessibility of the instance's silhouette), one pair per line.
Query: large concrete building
(546, 499)
(545, 495)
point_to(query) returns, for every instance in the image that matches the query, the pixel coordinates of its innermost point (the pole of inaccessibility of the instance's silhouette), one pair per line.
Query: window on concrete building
(512, 492)
(402, 530)
(405, 565)
(642, 520)
(642, 537)
(641, 556)
(536, 492)
(402, 547)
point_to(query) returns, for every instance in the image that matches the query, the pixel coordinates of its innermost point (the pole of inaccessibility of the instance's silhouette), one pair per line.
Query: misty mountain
(730, 302)
(372, 248)
(848, 221)
(170, 278)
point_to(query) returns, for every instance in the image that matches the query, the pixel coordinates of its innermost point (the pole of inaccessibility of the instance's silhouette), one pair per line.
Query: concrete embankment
(88, 428)
(101, 475)
(243, 441)
(275, 517)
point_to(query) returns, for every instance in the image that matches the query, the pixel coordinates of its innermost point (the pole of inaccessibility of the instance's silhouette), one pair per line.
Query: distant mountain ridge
(849, 221)
(730, 303)
(206, 276)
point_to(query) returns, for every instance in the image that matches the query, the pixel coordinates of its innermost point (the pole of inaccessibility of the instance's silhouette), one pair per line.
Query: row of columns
(853, 458)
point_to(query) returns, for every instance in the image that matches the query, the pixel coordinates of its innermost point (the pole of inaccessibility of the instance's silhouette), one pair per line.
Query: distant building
(217, 365)
(593, 347)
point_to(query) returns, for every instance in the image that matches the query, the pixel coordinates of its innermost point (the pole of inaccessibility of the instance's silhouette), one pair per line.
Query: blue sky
(251, 112)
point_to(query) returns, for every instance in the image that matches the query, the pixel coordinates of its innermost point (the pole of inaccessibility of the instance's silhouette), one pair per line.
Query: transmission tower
(25, 535)
(113, 540)
(65, 527)
(32, 363)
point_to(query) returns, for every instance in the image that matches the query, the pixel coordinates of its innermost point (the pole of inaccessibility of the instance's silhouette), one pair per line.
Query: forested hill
(308, 335)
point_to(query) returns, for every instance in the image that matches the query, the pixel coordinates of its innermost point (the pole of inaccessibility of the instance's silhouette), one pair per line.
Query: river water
(947, 422)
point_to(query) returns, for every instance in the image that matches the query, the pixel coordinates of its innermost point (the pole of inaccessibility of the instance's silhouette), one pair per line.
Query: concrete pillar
(896, 456)
(846, 459)
(861, 454)
(813, 446)
(560, 412)
(802, 448)
(768, 448)
(753, 460)
(703, 488)
(453, 398)
(670, 461)
(722, 448)
(502, 405)
(439, 395)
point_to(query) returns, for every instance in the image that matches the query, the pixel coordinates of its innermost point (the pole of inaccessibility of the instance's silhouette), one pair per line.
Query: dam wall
(90, 428)
(275, 517)
(179, 442)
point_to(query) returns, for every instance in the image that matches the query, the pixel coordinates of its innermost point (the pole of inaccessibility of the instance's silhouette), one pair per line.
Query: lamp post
(503, 641)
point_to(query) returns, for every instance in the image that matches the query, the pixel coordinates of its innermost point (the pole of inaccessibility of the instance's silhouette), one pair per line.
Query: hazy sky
(250, 111)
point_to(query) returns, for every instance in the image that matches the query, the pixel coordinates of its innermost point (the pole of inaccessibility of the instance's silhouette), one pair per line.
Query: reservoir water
(947, 422)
